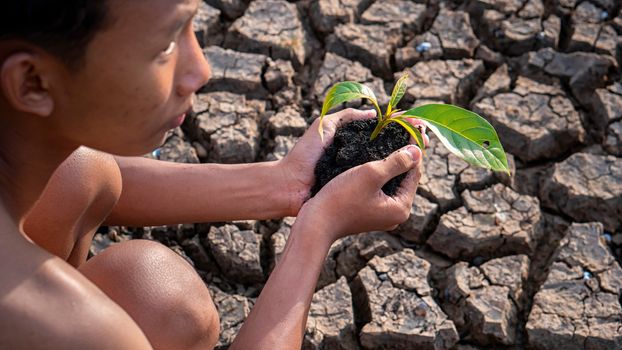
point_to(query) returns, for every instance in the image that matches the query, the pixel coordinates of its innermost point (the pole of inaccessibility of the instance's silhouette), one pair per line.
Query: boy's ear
(25, 84)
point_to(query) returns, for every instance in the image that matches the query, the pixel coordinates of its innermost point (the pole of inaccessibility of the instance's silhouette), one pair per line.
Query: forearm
(162, 193)
(279, 316)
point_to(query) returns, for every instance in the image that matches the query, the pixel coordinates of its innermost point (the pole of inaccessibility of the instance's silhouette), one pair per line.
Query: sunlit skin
(70, 146)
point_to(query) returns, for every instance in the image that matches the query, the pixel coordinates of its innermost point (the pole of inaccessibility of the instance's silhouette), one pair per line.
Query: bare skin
(55, 193)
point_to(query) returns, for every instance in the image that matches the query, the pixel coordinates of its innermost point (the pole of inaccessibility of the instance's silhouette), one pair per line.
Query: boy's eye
(169, 50)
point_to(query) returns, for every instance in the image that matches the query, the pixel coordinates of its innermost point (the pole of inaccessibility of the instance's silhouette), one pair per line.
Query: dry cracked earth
(486, 261)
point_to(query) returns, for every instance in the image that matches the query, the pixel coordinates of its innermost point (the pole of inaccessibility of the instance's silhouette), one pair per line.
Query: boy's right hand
(354, 202)
(351, 202)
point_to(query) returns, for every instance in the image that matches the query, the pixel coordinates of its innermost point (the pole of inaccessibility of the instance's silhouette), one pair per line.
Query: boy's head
(113, 75)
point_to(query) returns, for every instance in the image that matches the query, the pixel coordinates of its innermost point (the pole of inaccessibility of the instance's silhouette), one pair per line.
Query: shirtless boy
(114, 76)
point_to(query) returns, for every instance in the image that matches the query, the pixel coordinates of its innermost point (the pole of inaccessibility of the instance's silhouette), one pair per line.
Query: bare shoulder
(45, 303)
(86, 176)
(89, 170)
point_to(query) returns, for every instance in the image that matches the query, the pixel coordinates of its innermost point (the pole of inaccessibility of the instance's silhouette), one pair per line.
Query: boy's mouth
(177, 121)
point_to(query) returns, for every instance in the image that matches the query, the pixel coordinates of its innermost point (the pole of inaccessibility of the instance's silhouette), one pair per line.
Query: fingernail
(415, 152)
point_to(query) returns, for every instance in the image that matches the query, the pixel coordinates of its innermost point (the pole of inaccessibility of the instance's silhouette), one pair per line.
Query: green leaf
(464, 133)
(413, 131)
(398, 92)
(344, 92)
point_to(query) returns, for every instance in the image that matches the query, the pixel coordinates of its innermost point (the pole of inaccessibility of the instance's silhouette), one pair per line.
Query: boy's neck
(27, 161)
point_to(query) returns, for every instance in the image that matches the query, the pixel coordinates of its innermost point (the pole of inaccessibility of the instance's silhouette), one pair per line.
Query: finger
(396, 163)
(408, 188)
(426, 138)
(345, 116)
(420, 125)
(333, 121)
(397, 114)
(350, 114)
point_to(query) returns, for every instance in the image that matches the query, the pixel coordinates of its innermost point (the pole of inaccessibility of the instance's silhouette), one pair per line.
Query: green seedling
(464, 133)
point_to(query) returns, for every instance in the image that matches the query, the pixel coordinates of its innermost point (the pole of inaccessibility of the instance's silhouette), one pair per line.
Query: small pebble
(586, 275)
(201, 151)
(423, 47)
(383, 276)
(541, 36)
(607, 237)
(421, 310)
(604, 15)
(156, 153)
(113, 234)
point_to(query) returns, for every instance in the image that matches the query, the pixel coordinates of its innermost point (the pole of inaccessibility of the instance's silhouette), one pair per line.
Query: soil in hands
(352, 146)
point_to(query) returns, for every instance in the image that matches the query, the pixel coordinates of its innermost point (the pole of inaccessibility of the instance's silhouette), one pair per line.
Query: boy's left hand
(299, 164)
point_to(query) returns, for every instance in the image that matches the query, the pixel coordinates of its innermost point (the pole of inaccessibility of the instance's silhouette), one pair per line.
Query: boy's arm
(352, 202)
(159, 193)
(278, 319)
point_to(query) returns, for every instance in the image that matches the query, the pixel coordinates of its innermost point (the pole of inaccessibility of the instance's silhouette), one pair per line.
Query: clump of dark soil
(352, 146)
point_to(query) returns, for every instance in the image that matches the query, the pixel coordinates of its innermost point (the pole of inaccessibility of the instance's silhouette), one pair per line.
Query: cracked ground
(486, 260)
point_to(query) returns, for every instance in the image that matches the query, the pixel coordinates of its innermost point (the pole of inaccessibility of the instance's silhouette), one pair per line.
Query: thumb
(398, 162)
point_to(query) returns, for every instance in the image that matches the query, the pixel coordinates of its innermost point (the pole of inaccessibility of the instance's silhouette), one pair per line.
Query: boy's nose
(196, 70)
(204, 71)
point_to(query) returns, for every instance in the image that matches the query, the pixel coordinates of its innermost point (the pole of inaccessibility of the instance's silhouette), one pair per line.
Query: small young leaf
(398, 92)
(344, 92)
(412, 130)
(464, 133)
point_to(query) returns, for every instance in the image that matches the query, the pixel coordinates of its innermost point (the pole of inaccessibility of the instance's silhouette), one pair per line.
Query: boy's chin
(130, 151)
(129, 147)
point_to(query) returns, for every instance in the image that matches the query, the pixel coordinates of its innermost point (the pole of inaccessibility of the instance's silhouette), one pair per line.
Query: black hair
(63, 28)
